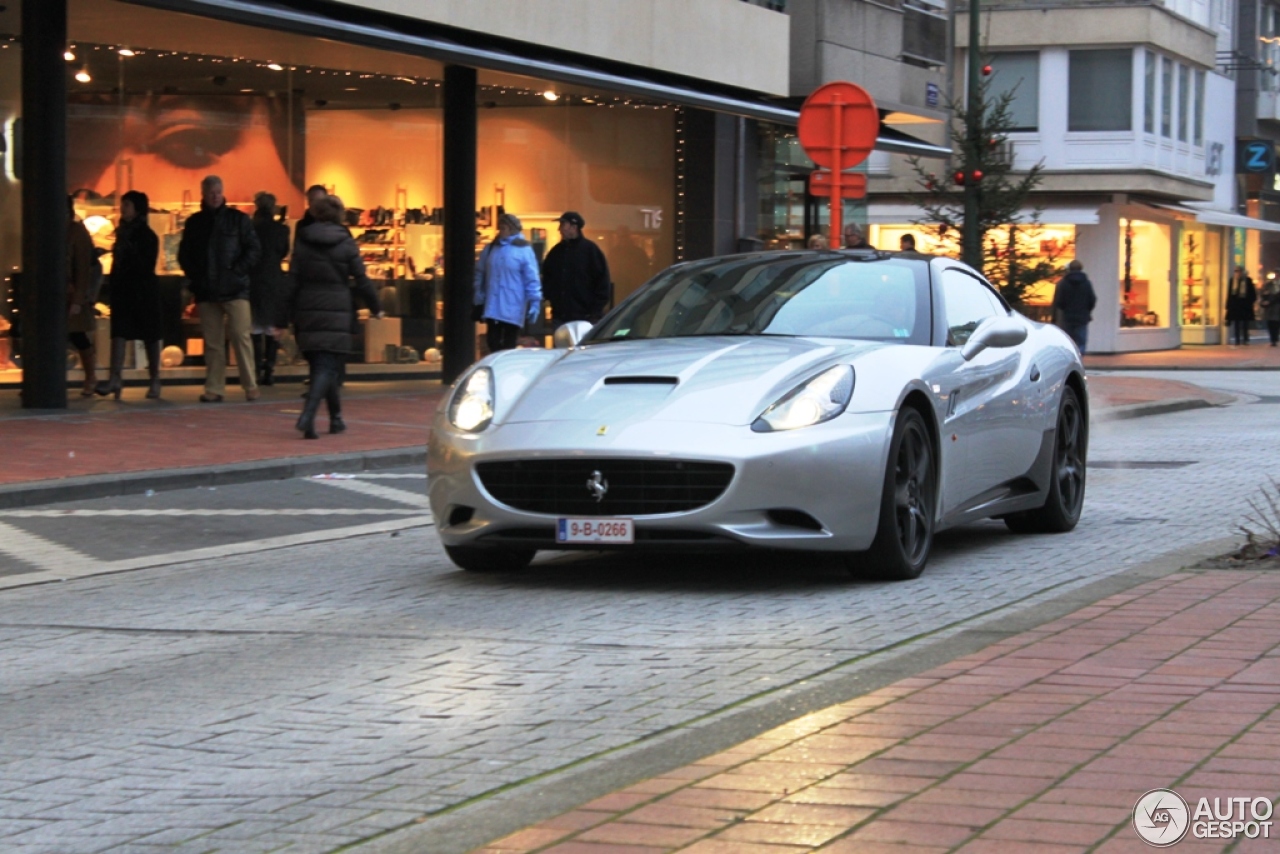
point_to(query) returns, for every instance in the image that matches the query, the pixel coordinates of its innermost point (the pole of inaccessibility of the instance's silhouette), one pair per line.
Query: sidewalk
(100, 447)
(1041, 742)
(1258, 356)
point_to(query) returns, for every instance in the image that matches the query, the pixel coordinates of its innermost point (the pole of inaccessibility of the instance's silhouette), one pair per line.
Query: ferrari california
(851, 402)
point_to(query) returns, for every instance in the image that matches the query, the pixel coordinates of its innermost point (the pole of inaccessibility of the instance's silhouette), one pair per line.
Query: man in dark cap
(575, 275)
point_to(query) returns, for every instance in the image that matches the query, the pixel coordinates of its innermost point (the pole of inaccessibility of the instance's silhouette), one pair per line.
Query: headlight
(816, 400)
(472, 406)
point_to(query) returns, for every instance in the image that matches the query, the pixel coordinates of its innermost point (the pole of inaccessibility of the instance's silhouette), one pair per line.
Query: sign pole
(837, 197)
(971, 251)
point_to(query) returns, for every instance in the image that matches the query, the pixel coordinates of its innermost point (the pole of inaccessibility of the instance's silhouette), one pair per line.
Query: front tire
(908, 502)
(480, 559)
(1061, 509)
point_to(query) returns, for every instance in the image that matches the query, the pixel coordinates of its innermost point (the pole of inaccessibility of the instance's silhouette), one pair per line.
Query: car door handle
(1035, 373)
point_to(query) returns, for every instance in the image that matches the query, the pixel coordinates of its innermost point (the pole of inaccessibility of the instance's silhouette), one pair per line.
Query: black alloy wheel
(1061, 509)
(907, 505)
(482, 559)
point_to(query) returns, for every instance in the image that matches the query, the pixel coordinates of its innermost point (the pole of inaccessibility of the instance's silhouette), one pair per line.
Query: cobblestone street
(312, 696)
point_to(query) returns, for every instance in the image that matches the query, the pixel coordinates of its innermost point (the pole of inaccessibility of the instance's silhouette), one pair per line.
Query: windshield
(785, 293)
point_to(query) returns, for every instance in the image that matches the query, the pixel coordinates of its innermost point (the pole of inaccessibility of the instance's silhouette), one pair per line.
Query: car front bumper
(833, 472)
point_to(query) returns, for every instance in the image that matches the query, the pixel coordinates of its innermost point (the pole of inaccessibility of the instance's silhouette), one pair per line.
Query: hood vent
(640, 380)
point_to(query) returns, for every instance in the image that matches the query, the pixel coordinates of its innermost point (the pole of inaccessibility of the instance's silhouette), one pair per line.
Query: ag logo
(1161, 817)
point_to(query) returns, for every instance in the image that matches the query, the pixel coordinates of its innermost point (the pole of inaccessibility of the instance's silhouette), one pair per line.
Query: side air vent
(641, 380)
(794, 519)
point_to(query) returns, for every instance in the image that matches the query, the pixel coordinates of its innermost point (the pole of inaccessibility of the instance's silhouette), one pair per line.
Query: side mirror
(994, 332)
(570, 334)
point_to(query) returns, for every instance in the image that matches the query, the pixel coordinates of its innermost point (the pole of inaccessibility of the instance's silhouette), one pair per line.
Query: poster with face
(164, 144)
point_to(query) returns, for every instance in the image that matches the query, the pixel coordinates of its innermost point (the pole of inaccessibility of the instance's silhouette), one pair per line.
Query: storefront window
(10, 188)
(276, 112)
(789, 215)
(1199, 274)
(1145, 256)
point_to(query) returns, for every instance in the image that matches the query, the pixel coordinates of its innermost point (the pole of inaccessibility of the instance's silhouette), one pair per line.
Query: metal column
(44, 205)
(459, 219)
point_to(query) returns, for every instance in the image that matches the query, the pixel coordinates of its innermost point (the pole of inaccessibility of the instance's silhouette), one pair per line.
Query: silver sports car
(853, 402)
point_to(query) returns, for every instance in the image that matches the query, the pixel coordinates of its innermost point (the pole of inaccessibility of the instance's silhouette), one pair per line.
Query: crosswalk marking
(377, 490)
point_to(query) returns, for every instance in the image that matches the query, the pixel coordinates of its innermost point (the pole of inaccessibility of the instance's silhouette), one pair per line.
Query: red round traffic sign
(838, 125)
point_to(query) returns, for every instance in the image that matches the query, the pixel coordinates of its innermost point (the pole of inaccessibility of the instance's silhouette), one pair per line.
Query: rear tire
(1061, 509)
(481, 559)
(908, 502)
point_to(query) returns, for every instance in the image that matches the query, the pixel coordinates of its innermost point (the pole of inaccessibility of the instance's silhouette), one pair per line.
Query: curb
(493, 816)
(19, 495)
(1155, 407)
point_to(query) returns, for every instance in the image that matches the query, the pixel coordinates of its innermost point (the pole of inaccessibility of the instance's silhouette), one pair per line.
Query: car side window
(968, 303)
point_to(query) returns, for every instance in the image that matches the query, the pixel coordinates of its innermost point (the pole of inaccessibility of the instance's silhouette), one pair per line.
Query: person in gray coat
(1271, 307)
(325, 278)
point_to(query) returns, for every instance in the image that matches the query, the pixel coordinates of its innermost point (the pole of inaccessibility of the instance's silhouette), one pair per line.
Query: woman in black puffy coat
(326, 276)
(135, 293)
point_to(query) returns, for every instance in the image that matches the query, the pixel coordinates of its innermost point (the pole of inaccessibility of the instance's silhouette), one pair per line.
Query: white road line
(62, 564)
(391, 476)
(283, 511)
(42, 553)
(377, 490)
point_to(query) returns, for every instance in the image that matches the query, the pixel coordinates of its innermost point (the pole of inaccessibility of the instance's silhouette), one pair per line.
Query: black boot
(317, 392)
(259, 349)
(271, 350)
(336, 424)
(115, 383)
(153, 369)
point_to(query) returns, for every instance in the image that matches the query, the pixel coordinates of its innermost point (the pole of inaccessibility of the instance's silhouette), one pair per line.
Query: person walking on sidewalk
(324, 276)
(135, 293)
(508, 292)
(219, 247)
(1241, 295)
(1073, 303)
(266, 280)
(81, 270)
(1271, 307)
(575, 275)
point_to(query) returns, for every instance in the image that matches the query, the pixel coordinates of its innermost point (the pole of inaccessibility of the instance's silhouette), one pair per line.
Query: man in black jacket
(219, 247)
(575, 275)
(1073, 302)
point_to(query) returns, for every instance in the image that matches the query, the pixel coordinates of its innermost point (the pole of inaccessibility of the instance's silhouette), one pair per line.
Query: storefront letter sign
(838, 127)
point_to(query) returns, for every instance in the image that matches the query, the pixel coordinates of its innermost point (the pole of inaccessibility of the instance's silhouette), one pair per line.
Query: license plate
(595, 531)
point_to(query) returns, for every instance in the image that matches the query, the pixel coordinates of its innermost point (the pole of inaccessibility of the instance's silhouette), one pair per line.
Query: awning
(1050, 215)
(1230, 220)
(384, 32)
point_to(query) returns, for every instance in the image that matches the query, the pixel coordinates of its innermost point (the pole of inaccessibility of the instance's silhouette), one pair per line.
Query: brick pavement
(1040, 742)
(104, 437)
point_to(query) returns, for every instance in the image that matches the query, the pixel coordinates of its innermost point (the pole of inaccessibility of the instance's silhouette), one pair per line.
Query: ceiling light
(275, 66)
(350, 89)
(69, 55)
(124, 51)
(550, 96)
(83, 75)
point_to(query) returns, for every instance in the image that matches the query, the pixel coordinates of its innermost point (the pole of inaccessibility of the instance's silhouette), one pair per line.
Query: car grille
(634, 487)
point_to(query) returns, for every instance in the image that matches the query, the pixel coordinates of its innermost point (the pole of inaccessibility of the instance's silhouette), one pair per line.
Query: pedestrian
(326, 275)
(575, 274)
(817, 241)
(854, 238)
(1073, 303)
(1271, 307)
(315, 193)
(218, 249)
(135, 294)
(82, 268)
(266, 280)
(1241, 295)
(907, 243)
(507, 291)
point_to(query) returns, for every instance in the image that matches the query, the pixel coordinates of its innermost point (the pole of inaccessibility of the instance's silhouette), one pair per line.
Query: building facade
(1126, 105)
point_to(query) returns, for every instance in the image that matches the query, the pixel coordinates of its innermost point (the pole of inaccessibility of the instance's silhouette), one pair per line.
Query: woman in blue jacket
(508, 292)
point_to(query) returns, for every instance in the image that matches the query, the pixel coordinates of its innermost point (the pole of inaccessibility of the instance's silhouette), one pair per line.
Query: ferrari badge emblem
(598, 486)
(604, 428)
